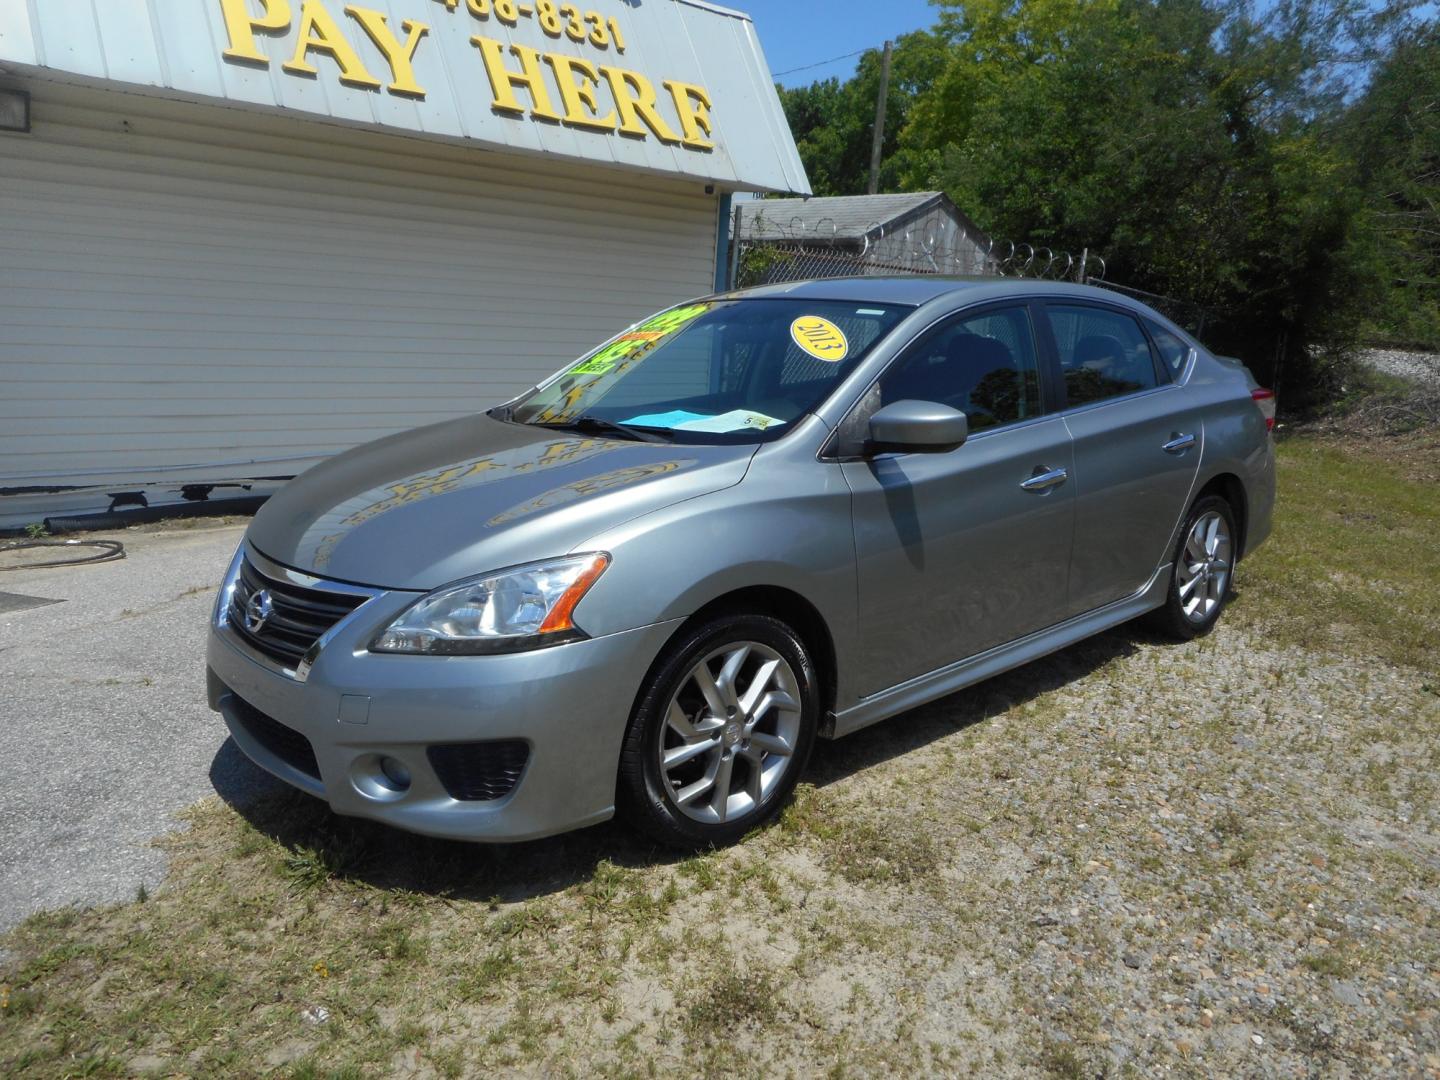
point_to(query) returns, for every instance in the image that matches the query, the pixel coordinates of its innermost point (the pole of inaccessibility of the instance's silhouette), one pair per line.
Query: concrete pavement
(104, 731)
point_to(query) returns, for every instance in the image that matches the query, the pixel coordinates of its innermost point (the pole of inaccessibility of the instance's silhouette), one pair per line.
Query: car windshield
(718, 371)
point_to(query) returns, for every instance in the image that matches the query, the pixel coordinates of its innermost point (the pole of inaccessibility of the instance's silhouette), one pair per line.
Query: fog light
(380, 777)
(395, 772)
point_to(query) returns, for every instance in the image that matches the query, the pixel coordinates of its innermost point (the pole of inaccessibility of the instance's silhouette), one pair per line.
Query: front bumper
(569, 704)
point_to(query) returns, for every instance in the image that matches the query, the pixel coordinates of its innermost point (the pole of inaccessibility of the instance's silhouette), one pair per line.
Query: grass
(1353, 557)
(952, 893)
(733, 1000)
(862, 851)
(1330, 962)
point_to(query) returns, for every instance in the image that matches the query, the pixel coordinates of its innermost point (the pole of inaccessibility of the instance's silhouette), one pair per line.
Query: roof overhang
(688, 95)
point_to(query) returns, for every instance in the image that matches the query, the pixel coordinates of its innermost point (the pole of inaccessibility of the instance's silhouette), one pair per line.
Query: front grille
(298, 616)
(285, 743)
(482, 771)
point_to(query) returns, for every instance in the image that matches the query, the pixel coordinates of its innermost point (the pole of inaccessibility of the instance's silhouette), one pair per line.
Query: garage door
(192, 291)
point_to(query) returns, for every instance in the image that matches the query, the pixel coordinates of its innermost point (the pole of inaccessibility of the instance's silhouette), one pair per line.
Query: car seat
(950, 377)
(1107, 357)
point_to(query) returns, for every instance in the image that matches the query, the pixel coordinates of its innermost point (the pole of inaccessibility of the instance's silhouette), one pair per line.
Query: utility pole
(879, 143)
(732, 267)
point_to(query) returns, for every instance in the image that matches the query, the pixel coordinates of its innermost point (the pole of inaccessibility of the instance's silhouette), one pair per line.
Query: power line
(822, 63)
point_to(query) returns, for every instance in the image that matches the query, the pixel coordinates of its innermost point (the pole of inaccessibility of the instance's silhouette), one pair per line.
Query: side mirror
(917, 427)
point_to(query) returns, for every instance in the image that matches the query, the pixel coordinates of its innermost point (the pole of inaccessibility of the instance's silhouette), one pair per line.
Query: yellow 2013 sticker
(820, 338)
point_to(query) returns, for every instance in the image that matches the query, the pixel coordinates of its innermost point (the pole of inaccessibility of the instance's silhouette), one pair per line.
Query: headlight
(221, 615)
(528, 607)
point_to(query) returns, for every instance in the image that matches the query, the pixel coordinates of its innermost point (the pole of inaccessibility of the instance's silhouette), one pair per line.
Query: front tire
(721, 733)
(1203, 572)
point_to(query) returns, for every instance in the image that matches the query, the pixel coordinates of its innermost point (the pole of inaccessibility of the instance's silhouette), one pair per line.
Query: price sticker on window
(820, 338)
(639, 341)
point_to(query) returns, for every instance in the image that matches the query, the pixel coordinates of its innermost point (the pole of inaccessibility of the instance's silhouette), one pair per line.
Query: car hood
(430, 506)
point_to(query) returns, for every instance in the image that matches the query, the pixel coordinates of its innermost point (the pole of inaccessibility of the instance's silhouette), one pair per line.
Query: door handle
(1045, 479)
(1179, 444)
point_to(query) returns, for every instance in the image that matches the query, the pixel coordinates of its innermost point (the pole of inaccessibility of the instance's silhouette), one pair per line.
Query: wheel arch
(786, 605)
(1232, 489)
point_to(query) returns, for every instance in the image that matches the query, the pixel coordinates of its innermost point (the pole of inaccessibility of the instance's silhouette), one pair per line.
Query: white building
(237, 236)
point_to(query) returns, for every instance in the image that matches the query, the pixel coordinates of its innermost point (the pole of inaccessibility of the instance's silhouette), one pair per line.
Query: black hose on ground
(123, 519)
(240, 506)
(110, 550)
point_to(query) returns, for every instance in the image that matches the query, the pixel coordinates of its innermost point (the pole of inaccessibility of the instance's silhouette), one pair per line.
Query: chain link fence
(774, 254)
(764, 253)
(1192, 318)
(770, 262)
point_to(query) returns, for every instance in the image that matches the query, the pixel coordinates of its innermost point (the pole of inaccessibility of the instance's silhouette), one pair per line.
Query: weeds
(858, 848)
(1330, 963)
(1352, 558)
(736, 999)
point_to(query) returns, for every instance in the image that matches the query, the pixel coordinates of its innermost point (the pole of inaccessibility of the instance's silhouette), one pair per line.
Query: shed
(918, 232)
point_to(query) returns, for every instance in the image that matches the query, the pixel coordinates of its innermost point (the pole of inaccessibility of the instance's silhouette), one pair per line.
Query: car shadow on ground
(387, 858)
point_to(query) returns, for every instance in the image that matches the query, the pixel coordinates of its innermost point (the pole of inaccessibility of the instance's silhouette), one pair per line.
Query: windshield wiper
(596, 423)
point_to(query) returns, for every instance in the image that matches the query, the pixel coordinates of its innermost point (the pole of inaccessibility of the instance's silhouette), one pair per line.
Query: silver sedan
(649, 584)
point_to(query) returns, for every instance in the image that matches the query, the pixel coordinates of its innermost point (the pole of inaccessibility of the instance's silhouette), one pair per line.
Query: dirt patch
(1391, 415)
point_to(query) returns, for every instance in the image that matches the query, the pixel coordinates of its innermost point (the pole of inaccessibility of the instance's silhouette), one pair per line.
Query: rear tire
(721, 733)
(1203, 573)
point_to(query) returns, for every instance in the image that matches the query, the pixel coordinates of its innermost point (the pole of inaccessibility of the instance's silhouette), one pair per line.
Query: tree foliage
(1394, 133)
(834, 121)
(1240, 158)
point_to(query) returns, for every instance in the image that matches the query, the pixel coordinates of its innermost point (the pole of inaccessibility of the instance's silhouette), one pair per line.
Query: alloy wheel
(1204, 572)
(730, 732)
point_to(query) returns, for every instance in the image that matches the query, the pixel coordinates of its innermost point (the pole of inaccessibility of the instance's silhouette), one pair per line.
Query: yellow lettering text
(400, 57)
(693, 105)
(318, 33)
(582, 108)
(242, 27)
(503, 81)
(635, 97)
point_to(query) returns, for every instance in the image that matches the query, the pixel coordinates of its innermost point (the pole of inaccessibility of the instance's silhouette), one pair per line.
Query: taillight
(1265, 402)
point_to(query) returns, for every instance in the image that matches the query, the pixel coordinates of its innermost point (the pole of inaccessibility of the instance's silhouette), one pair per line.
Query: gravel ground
(104, 730)
(1190, 857)
(1129, 859)
(1422, 367)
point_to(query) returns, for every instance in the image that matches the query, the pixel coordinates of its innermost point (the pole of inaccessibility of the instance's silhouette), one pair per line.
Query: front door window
(984, 365)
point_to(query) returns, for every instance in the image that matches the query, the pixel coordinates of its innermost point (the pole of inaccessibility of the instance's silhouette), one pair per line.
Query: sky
(797, 33)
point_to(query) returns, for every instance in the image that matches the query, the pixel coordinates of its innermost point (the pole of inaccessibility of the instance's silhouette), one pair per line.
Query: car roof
(922, 288)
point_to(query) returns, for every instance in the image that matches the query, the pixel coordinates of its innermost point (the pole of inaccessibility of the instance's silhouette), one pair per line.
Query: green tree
(1394, 130)
(1236, 156)
(833, 121)
(1187, 140)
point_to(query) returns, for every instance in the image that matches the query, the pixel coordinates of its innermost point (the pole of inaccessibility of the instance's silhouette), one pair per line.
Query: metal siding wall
(188, 285)
(937, 232)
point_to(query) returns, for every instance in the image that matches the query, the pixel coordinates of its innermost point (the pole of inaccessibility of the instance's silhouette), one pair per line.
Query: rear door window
(1174, 352)
(1103, 353)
